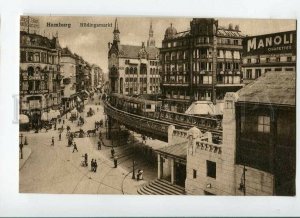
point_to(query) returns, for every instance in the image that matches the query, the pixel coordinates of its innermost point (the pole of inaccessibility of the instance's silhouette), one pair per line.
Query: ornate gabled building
(202, 63)
(133, 69)
(40, 76)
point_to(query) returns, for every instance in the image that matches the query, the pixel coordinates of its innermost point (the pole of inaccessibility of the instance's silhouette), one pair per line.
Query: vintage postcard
(157, 106)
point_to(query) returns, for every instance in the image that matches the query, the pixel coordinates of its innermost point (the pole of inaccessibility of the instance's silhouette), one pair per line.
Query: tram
(135, 105)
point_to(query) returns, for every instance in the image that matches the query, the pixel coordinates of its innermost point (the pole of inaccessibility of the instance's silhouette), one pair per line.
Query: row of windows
(206, 66)
(201, 53)
(258, 72)
(152, 63)
(203, 40)
(38, 57)
(211, 170)
(268, 60)
(34, 85)
(142, 80)
(143, 70)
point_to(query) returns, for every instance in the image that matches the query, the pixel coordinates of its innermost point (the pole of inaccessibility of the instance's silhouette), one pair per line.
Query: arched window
(30, 71)
(127, 70)
(131, 70)
(135, 70)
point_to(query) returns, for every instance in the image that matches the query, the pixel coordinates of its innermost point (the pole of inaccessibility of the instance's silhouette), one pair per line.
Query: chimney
(237, 28)
(230, 26)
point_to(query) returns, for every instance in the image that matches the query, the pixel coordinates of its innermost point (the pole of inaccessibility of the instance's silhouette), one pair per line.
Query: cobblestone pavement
(56, 169)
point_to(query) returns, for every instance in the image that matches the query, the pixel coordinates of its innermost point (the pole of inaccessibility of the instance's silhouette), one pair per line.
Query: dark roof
(277, 88)
(67, 52)
(32, 39)
(177, 150)
(229, 33)
(132, 51)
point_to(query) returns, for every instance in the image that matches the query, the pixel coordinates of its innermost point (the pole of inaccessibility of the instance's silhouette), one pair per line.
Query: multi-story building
(68, 71)
(96, 76)
(40, 75)
(83, 75)
(257, 155)
(271, 52)
(133, 69)
(202, 63)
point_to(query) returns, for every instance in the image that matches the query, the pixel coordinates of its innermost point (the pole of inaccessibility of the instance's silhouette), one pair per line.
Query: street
(56, 169)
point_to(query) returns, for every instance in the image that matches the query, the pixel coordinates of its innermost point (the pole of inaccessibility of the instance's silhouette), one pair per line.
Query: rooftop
(32, 39)
(132, 51)
(277, 88)
(177, 150)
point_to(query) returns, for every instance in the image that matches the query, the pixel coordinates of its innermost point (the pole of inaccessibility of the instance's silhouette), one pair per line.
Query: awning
(205, 108)
(52, 114)
(23, 119)
(78, 99)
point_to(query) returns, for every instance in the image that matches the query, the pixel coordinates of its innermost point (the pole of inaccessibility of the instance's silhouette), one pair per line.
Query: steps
(160, 187)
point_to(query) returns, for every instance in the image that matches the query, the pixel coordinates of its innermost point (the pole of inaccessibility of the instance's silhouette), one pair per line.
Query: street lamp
(21, 145)
(133, 170)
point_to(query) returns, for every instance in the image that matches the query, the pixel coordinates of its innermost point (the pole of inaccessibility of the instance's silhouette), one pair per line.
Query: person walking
(116, 162)
(59, 136)
(95, 166)
(99, 145)
(92, 165)
(112, 151)
(75, 148)
(52, 141)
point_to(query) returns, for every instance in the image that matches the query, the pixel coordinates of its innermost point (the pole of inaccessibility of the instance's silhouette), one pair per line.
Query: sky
(92, 43)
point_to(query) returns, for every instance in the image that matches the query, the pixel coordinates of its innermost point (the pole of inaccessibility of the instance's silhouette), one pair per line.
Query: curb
(21, 164)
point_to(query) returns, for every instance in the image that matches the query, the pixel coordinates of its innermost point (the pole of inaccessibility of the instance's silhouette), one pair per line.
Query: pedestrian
(86, 159)
(92, 165)
(52, 141)
(59, 136)
(95, 166)
(75, 148)
(116, 162)
(99, 145)
(112, 151)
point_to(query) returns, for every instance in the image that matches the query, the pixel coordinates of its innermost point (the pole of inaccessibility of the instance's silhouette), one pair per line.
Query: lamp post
(21, 146)
(133, 169)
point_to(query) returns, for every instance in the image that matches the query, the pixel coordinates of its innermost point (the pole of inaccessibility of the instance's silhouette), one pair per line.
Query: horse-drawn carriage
(78, 134)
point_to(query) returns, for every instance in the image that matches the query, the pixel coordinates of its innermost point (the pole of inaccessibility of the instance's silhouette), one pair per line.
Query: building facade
(271, 52)
(133, 69)
(202, 63)
(96, 77)
(257, 155)
(68, 70)
(40, 76)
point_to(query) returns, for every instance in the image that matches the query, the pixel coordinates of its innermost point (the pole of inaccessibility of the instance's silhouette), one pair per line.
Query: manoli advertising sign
(283, 42)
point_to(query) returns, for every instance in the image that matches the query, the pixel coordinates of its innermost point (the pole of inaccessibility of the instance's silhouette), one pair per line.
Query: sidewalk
(26, 155)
